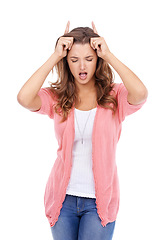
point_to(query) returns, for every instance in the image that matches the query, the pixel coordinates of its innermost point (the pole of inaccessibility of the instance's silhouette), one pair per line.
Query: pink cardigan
(105, 135)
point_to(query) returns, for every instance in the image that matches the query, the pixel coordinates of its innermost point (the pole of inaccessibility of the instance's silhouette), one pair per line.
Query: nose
(82, 65)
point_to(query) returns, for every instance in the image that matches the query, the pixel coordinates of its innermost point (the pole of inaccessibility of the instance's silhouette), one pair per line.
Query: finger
(94, 28)
(93, 40)
(96, 43)
(67, 27)
(91, 43)
(71, 42)
(68, 44)
(66, 40)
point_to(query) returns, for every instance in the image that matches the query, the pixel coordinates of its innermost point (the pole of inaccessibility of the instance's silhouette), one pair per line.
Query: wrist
(56, 58)
(51, 62)
(108, 57)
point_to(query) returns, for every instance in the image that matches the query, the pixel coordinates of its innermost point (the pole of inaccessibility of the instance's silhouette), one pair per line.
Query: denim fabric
(79, 220)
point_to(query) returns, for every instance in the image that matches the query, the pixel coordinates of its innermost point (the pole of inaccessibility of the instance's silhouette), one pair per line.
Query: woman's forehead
(81, 49)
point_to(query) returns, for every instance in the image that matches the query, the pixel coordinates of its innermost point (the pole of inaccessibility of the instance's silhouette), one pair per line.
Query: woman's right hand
(63, 44)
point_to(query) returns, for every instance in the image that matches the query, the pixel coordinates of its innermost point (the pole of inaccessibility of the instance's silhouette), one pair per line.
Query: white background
(135, 32)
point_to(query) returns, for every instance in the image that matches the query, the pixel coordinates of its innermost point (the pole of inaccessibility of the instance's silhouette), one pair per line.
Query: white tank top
(81, 182)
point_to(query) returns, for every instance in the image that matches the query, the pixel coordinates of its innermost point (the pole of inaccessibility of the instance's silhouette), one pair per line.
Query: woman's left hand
(100, 45)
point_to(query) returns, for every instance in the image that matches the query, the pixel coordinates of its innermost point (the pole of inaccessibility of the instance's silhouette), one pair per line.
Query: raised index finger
(94, 28)
(67, 27)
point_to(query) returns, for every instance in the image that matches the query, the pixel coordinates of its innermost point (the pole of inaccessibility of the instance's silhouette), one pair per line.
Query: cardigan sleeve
(124, 107)
(47, 102)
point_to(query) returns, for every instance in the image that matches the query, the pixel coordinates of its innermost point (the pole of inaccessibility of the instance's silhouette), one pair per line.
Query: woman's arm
(27, 96)
(137, 92)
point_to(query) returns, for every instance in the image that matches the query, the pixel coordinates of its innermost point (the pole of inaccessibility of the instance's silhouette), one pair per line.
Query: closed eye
(89, 60)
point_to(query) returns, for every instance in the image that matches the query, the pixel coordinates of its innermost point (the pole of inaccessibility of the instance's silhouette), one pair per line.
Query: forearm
(137, 92)
(31, 88)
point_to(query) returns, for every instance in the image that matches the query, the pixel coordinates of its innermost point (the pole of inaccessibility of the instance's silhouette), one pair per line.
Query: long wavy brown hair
(65, 89)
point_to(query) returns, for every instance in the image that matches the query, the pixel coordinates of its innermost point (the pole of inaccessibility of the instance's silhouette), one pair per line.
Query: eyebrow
(85, 57)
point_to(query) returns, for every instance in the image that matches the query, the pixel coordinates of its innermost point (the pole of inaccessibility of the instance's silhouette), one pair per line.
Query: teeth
(83, 75)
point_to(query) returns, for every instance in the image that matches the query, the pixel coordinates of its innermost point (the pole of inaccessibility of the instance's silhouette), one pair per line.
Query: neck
(87, 89)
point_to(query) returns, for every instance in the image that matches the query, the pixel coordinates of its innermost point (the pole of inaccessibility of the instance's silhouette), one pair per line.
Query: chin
(83, 82)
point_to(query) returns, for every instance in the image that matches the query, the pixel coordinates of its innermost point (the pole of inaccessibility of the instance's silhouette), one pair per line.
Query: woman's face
(82, 61)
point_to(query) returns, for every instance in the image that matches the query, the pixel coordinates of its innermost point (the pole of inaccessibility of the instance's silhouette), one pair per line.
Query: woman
(88, 108)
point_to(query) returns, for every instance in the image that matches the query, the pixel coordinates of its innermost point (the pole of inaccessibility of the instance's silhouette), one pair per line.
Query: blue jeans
(79, 220)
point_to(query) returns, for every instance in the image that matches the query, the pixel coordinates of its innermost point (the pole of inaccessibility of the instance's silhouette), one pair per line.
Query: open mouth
(83, 75)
